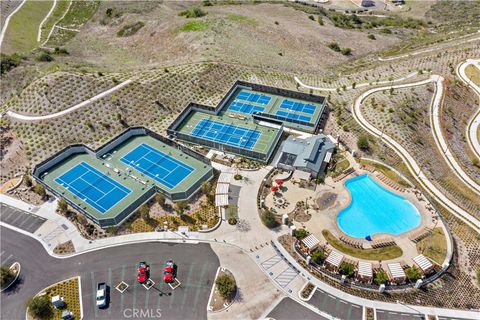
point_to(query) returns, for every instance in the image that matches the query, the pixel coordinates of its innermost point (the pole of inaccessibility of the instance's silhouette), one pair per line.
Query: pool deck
(327, 218)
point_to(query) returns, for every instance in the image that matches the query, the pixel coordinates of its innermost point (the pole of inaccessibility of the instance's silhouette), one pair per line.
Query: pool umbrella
(279, 182)
(368, 238)
(274, 189)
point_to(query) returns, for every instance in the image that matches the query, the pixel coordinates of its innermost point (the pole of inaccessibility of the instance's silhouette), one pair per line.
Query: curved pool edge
(388, 190)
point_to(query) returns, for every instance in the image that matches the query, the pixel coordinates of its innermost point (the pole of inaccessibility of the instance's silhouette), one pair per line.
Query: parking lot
(288, 309)
(335, 306)
(197, 266)
(391, 315)
(20, 219)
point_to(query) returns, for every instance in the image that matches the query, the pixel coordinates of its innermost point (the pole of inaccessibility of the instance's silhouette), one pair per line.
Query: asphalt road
(197, 265)
(288, 309)
(335, 306)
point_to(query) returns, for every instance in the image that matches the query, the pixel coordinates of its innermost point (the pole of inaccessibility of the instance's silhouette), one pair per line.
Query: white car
(101, 295)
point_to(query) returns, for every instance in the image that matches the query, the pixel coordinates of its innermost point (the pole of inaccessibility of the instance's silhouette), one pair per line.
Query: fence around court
(68, 151)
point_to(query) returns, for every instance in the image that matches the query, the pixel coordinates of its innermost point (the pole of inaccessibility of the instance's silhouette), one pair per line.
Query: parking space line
(25, 220)
(94, 295)
(8, 258)
(33, 224)
(189, 276)
(121, 294)
(159, 298)
(135, 285)
(110, 284)
(199, 287)
(19, 215)
(1, 253)
(7, 216)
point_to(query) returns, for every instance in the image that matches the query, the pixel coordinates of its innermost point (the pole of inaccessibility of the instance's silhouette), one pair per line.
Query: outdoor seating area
(418, 235)
(396, 273)
(389, 182)
(354, 242)
(422, 262)
(344, 174)
(334, 260)
(384, 242)
(364, 272)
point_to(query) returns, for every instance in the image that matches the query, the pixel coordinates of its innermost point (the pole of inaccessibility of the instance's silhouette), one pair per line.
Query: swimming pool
(374, 209)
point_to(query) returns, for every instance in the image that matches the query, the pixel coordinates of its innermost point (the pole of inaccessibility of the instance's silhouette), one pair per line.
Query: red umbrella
(279, 182)
(274, 189)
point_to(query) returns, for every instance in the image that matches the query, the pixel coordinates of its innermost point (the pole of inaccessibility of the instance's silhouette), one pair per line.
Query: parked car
(169, 271)
(101, 295)
(143, 272)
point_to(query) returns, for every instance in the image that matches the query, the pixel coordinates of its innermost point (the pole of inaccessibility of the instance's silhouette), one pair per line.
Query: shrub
(62, 206)
(346, 51)
(334, 46)
(40, 190)
(28, 181)
(45, 57)
(226, 286)
(112, 230)
(231, 212)
(320, 21)
(193, 12)
(311, 17)
(268, 219)
(40, 307)
(386, 31)
(238, 177)
(207, 3)
(206, 187)
(413, 274)
(181, 206)
(363, 143)
(301, 233)
(380, 277)
(6, 276)
(160, 199)
(61, 51)
(347, 269)
(371, 37)
(130, 29)
(318, 257)
(8, 62)
(144, 212)
(232, 221)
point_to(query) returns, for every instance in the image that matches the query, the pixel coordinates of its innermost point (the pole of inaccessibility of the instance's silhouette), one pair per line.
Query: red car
(143, 272)
(169, 271)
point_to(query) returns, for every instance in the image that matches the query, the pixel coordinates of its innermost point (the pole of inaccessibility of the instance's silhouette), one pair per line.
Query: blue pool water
(375, 210)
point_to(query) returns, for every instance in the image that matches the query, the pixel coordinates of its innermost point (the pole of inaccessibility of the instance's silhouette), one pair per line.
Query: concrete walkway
(474, 125)
(412, 165)
(7, 21)
(360, 85)
(23, 117)
(436, 48)
(435, 119)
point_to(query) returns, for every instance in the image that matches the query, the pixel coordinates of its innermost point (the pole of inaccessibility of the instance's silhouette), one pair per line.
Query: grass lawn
(80, 12)
(386, 172)
(242, 19)
(194, 26)
(473, 74)
(385, 253)
(434, 246)
(342, 164)
(67, 289)
(60, 9)
(21, 34)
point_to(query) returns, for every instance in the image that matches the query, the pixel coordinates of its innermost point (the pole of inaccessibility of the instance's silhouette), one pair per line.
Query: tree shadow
(243, 225)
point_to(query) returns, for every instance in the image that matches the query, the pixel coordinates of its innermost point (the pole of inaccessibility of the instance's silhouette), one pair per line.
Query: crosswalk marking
(286, 276)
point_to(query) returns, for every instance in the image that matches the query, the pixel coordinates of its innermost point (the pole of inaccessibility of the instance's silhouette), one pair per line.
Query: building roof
(310, 241)
(222, 188)
(335, 258)
(365, 269)
(225, 177)
(423, 263)
(396, 270)
(221, 200)
(308, 152)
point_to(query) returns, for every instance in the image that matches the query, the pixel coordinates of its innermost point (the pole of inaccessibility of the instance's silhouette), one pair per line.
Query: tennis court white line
(115, 184)
(168, 157)
(68, 187)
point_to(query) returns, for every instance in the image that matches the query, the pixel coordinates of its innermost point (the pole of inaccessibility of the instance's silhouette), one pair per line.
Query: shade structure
(423, 263)
(396, 272)
(225, 177)
(311, 242)
(365, 270)
(222, 188)
(334, 259)
(221, 200)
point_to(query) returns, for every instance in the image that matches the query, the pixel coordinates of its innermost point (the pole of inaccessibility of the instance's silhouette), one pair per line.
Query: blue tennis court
(157, 165)
(244, 107)
(253, 97)
(298, 106)
(93, 187)
(291, 116)
(226, 133)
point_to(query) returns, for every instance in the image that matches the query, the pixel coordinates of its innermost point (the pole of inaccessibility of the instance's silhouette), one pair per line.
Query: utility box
(419, 283)
(58, 302)
(285, 219)
(381, 289)
(292, 230)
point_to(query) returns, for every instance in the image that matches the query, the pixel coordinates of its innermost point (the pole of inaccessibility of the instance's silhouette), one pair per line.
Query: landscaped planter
(307, 292)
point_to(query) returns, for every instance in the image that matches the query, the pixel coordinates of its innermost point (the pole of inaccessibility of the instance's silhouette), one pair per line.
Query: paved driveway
(197, 265)
(288, 309)
(336, 307)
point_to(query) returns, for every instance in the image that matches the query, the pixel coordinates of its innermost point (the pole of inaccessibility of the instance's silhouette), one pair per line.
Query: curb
(213, 289)
(16, 276)
(311, 293)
